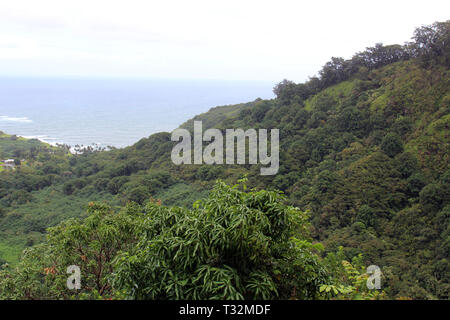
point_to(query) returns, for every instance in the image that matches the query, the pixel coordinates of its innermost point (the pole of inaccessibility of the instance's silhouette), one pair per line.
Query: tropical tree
(232, 245)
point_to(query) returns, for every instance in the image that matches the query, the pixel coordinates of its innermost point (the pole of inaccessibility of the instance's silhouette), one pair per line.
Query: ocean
(112, 112)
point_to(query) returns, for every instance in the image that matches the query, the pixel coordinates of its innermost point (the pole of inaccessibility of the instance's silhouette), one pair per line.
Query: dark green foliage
(433, 42)
(68, 188)
(286, 91)
(138, 194)
(101, 184)
(432, 196)
(208, 173)
(17, 197)
(157, 180)
(116, 183)
(349, 119)
(407, 164)
(367, 216)
(392, 144)
(415, 184)
(402, 126)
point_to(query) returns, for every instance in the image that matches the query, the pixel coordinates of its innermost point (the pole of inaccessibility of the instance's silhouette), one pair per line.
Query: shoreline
(53, 142)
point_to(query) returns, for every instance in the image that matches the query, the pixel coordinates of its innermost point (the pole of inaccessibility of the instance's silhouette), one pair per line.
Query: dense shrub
(392, 144)
(233, 245)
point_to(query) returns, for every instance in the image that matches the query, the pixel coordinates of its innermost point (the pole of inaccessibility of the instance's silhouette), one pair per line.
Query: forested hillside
(364, 168)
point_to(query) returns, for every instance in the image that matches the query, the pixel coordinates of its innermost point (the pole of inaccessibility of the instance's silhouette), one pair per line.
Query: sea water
(114, 112)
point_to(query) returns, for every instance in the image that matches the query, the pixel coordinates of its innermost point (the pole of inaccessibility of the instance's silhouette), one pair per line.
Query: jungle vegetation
(364, 180)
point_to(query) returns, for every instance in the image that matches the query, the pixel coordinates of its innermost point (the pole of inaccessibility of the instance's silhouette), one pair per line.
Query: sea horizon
(112, 111)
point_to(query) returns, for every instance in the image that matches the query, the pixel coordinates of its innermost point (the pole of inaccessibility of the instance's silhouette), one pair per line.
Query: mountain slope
(364, 151)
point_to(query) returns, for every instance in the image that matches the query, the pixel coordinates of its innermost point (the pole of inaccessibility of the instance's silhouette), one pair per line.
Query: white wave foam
(16, 119)
(55, 142)
(43, 138)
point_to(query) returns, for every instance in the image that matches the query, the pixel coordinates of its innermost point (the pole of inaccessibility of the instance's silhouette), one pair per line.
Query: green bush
(233, 245)
(407, 164)
(392, 144)
(138, 194)
(415, 183)
(431, 196)
(116, 183)
(367, 216)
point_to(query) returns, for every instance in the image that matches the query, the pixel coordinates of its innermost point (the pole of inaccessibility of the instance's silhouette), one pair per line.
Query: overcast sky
(207, 39)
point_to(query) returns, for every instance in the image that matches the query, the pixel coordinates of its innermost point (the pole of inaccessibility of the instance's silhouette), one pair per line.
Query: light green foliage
(90, 244)
(232, 245)
(349, 280)
(15, 147)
